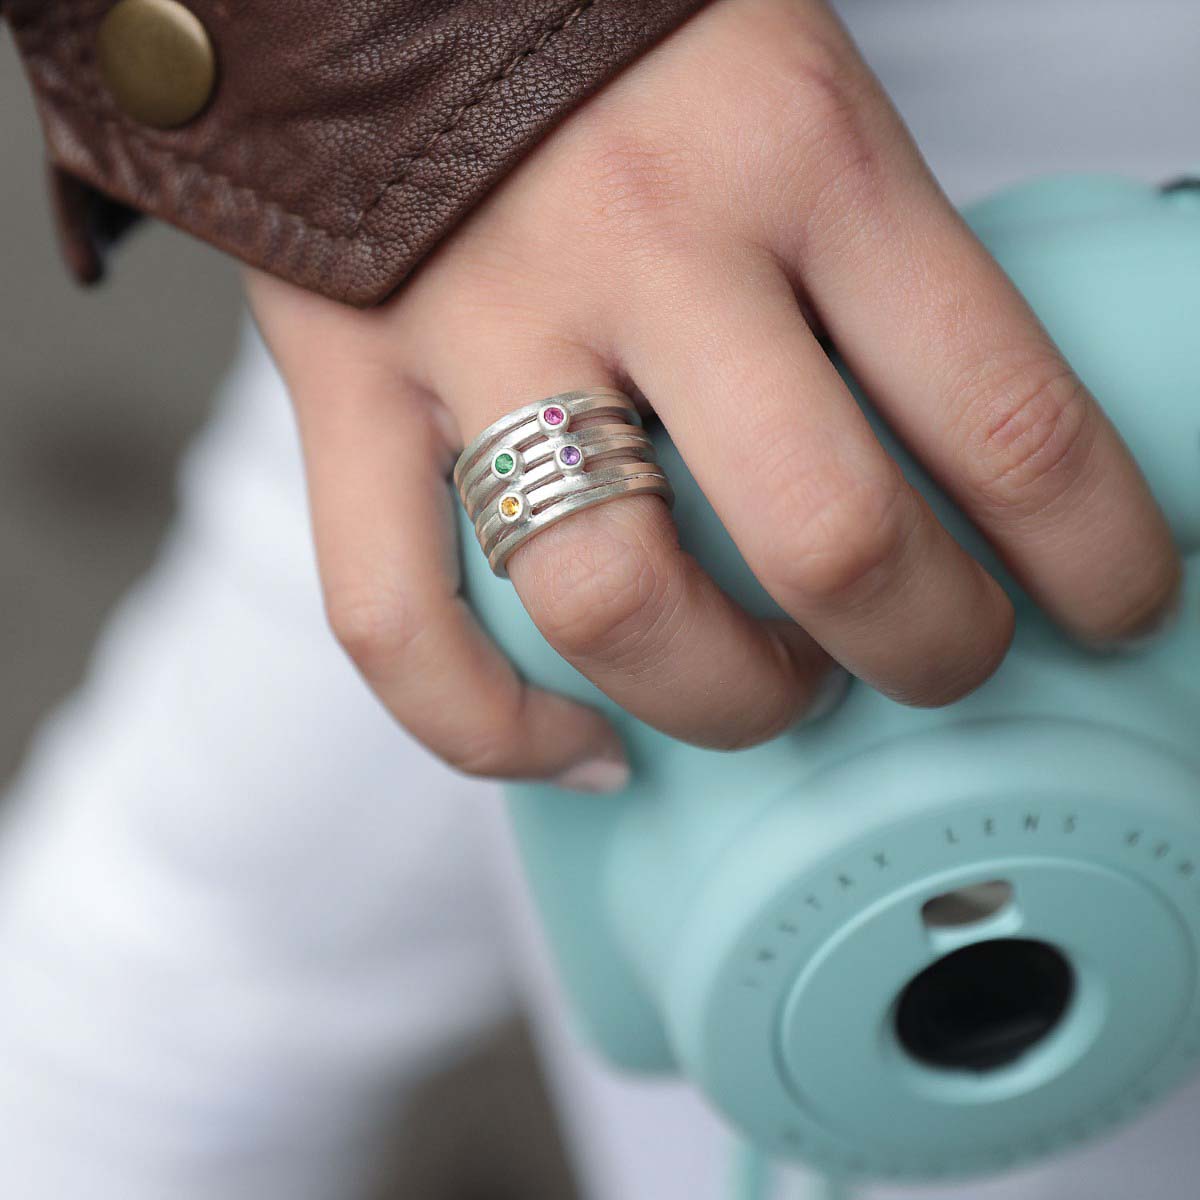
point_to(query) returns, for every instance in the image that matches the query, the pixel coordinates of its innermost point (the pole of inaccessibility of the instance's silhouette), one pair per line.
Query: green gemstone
(504, 464)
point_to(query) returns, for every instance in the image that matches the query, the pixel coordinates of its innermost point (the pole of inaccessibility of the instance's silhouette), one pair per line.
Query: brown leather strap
(344, 138)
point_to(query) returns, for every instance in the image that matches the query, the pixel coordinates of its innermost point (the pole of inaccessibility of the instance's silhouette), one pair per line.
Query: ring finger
(613, 592)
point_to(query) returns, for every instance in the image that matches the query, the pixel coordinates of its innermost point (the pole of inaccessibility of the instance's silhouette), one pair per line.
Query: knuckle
(602, 598)
(813, 61)
(1032, 429)
(631, 182)
(837, 156)
(371, 625)
(847, 547)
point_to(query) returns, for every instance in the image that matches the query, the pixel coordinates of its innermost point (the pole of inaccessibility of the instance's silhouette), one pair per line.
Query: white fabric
(996, 91)
(239, 909)
(238, 906)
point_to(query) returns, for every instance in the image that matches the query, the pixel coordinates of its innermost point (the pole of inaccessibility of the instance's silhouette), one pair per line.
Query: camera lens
(985, 1005)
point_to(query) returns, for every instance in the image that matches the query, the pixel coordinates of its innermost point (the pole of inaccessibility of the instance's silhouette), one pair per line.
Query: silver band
(548, 460)
(522, 424)
(540, 464)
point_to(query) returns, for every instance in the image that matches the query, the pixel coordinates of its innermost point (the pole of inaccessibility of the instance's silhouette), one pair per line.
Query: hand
(682, 235)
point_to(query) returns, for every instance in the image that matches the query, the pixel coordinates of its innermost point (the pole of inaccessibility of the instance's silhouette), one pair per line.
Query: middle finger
(821, 512)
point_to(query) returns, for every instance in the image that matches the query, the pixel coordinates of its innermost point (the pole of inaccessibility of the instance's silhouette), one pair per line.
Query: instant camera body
(908, 943)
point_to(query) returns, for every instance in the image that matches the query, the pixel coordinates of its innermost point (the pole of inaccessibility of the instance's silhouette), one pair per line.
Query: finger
(963, 371)
(612, 591)
(821, 512)
(377, 467)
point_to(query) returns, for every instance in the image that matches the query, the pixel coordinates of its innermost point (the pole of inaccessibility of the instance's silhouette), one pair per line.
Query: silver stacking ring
(545, 461)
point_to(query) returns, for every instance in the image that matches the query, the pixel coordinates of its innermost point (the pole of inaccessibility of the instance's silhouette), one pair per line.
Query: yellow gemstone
(510, 506)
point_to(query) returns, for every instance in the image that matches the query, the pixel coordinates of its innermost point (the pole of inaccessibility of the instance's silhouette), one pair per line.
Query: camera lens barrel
(822, 997)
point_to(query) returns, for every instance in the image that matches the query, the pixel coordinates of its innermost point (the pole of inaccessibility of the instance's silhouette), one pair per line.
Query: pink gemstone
(571, 456)
(554, 415)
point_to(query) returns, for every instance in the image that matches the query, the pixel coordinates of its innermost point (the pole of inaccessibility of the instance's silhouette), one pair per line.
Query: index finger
(963, 371)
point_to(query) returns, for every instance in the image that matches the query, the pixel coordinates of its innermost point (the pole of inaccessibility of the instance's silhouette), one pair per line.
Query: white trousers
(240, 910)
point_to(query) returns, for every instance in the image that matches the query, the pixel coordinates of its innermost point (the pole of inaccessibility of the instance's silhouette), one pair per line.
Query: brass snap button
(156, 59)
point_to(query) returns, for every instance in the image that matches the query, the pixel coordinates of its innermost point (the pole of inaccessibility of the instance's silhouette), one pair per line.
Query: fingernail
(829, 694)
(1163, 624)
(603, 774)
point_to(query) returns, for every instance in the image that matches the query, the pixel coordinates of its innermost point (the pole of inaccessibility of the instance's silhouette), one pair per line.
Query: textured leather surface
(345, 137)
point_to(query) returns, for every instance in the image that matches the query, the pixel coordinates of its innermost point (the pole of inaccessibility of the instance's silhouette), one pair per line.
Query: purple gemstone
(570, 456)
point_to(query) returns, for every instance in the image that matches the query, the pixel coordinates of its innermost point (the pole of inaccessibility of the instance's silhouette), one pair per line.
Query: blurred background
(99, 393)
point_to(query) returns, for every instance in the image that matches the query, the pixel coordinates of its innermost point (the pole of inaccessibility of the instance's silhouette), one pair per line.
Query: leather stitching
(133, 133)
(138, 136)
(35, 47)
(456, 117)
(64, 98)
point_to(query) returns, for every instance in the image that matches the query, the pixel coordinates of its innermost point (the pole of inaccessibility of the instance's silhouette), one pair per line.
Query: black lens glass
(984, 1006)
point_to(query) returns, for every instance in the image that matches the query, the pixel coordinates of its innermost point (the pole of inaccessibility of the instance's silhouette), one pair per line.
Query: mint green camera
(906, 943)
